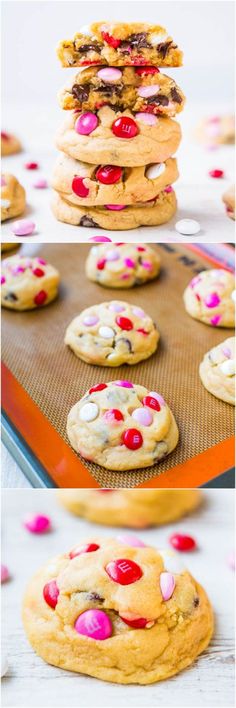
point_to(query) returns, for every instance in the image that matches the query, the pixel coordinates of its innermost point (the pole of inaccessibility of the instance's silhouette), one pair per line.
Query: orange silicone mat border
(66, 470)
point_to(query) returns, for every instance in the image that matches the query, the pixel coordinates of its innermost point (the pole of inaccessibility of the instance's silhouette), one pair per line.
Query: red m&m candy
(216, 174)
(138, 623)
(144, 70)
(124, 322)
(38, 272)
(50, 593)
(151, 403)
(97, 387)
(87, 548)
(79, 188)
(132, 439)
(40, 297)
(182, 543)
(108, 174)
(112, 41)
(124, 127)
(101, 264)
(112, 415)
(124, 571)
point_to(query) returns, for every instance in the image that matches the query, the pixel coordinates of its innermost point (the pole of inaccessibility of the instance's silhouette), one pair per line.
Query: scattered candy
(155, 170)
(40, 298)
(109, 75)
(130, 540)
(108, 174)
(88, 412)
(124, 323)
(97, 387)
(124, 571)
(86, 123)
(147, 118)
(90, 320)
(51, 593)
(106, 332)
(188, 227)
(182, 543)
(167, 585)
(31, 166)
(5, 575)
(87, 548)
(79, 188)
(132, 439)
(40, 184)
(37, 523)
(24, 227)
(95, 624)
(216, 174)
(142, 416)
(113, 414)
(99, 239)
(124, 127)
(151, 402)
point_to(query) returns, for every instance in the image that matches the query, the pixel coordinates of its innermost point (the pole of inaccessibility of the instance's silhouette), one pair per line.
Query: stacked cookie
(115, 167)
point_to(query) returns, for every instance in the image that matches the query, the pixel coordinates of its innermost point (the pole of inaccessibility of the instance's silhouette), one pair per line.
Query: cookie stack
(115, 167)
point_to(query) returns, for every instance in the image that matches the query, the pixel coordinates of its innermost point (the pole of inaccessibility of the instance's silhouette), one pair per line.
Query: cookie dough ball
(89, 185)
(112, 333)
(210, 298)
(135, 508)
(27, 283)
(12, 197)
(216, 130)
(118, 610)
(8, 247)
(217, 371)
(229, 201)
(114, 218)
(118, 138)
(9, 144)
(122, 426)
(122, 265)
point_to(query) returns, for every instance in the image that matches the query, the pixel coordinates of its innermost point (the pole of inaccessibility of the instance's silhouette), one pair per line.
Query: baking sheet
(34, 351)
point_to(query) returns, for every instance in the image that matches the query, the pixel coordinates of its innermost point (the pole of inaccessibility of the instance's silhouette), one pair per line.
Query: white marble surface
(11, 474)
(31, 682)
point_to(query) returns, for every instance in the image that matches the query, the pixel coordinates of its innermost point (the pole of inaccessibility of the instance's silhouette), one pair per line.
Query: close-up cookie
(118, 138)
(217, 371)
(118, 610)
(117, 218)
(229, 201)
(210, 298)
(12, 197)
(83, 184)
(122, 265)
(120, 44)
(122, 426)
(8, 247)
(139, 89)
(9, 144)
(27, 283)
(134, 508)
(112, 333)
(216, 130)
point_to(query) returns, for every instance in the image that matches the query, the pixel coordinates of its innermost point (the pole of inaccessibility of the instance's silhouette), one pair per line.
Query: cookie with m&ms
(119, 610)
(210, 298)
(28, 283)
(217, 371)
(122, 426)
(122, 265)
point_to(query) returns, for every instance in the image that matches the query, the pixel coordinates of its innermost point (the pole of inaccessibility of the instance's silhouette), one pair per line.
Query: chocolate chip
(126, 341)
(81, 91)
(159, 99)
(139, 40)
(88, 221)
(175, 95)
(88, 48)
(11, 297)
(124, 48)
(196, 601)
(109, 90)
(95, 597)
(163, 48)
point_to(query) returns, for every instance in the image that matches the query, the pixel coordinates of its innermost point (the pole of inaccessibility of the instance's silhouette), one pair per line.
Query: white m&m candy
(187, 227)
(88, 412)
(228, 367)
(106, 332)
(155, 170)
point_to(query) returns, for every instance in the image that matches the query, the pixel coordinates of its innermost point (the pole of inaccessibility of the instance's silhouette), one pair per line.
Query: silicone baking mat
(42, 378)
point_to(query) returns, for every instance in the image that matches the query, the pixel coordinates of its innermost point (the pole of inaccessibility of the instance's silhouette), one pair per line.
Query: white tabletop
(199, 196)
(31, 682)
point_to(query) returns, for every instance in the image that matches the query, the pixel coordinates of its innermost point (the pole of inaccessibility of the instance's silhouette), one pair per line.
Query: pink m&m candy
(51, 593)
(168, 189)
(79, 188)
(146, 91)
(212, 300)
(3, 280)
(167, 585)
(147, 118)
(24, 227)
(37, 523)
(90, 320)
(3, 182)
(116, 307)
(215, 320)
(158, 397)
(130, 540)
(5, 575)
(138, 312)
(142, 416)
(95, 624)
(124, 127)
(86, 123)
(109, 75)
(115, 207)
(124, 571)
(40, 184)
(147, 265)
(123, 383)
(112, 256)
(129, 262)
